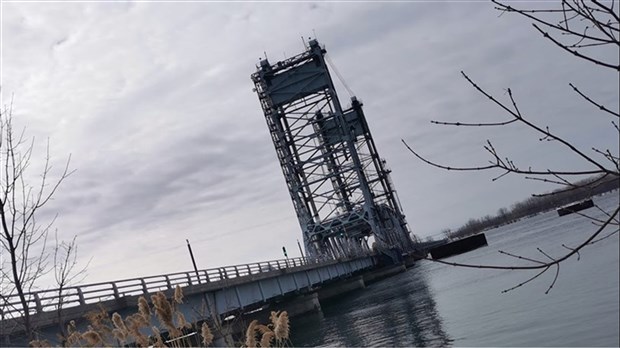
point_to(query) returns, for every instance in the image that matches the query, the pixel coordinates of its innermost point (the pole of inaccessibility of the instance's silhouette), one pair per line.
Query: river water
(439, 305)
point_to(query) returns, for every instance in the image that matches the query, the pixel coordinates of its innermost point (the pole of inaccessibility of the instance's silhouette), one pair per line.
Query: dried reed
(73, 335)
(134, 323)
(281, 326)
(250, 334)
(120, 335)
(268, 336)
(104, 329)
(164, 313)
(207, 336)
(144, 309)
(99, 321)
(158, 341)
(39, 343)
(119, 323)
(178, 294)
(182, 323)
(93, 338)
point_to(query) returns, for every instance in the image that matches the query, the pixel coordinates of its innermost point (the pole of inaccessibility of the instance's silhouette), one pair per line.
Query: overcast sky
(154, 103)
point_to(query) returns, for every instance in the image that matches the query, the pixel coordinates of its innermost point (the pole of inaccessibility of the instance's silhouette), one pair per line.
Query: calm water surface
(439, 305)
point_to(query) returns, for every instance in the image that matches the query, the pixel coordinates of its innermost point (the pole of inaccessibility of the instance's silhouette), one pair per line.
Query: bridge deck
(225, 290)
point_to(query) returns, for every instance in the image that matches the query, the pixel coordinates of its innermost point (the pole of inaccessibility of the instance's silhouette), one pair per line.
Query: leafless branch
(520, 257)
(527, 281)
(571, 249)
(555, 277)
(544, 266)
(575, 52)
(23, 237)
(605, 236)
(600, 106)
(530, 14)
(500, 164)
(587, 25)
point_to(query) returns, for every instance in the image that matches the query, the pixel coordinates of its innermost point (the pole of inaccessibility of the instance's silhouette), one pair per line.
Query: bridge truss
(340, 187)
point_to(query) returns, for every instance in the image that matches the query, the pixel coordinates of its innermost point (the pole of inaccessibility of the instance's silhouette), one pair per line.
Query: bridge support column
(301, 304)
(382, 273)
(341, 287)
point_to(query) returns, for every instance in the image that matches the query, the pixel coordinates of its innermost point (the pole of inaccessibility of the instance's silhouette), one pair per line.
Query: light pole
(191, 254)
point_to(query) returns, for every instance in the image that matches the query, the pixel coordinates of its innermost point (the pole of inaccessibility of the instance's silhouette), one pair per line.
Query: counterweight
(340, 187)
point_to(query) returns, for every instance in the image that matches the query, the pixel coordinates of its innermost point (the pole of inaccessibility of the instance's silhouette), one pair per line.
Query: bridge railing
(53, 299)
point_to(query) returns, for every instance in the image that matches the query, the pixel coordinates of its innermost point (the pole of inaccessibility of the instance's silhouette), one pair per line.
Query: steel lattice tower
(340, 187)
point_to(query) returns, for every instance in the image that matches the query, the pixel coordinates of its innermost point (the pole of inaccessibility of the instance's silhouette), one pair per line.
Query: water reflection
(398, 311)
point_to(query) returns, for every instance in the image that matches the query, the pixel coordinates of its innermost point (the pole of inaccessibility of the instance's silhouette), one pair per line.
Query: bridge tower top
(340, 187)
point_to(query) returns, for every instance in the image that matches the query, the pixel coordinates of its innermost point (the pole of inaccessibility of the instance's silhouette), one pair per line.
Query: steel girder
(340, 187)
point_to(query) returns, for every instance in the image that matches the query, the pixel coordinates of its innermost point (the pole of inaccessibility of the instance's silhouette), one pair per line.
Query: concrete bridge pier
(341, 287)
(382, 273)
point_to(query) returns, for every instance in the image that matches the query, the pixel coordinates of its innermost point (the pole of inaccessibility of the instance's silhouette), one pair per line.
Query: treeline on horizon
(580, 190)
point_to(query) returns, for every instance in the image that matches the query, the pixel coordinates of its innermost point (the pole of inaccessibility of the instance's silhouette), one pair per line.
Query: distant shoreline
(537, 204)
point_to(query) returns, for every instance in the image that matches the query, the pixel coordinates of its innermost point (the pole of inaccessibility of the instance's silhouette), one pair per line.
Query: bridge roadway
(218, 291)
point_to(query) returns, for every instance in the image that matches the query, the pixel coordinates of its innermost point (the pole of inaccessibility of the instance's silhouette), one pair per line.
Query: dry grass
(281, 326)
(136, 329)
(250, 334)
(144, 309)
(93, 338)
(207, 336)
(276, 332)
(178, 294)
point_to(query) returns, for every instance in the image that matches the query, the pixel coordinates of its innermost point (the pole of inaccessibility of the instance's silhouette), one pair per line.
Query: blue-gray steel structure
(340, 187)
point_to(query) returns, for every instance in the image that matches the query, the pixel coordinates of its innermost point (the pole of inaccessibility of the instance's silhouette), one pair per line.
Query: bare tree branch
(589, 26)
(575, 52)
(23, 238)
(600, 106)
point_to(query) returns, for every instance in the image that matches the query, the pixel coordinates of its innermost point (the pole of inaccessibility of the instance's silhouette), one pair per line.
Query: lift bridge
(342, 194)
(340, 187)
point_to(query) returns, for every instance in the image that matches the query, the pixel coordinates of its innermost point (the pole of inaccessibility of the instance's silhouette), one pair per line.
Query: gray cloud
(155, 104)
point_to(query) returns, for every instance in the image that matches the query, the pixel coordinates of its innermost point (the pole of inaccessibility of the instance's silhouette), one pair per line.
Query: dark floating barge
(569, 209)
(459, 246)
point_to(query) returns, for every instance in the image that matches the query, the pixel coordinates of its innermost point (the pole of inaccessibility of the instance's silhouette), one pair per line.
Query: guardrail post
(168, 284)
(115, 289)
(81, 296)
(145, 290)
(189, 278)
(37, 302)
(221, 275)
(237, 271)
(207, 276)
(249, 270)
